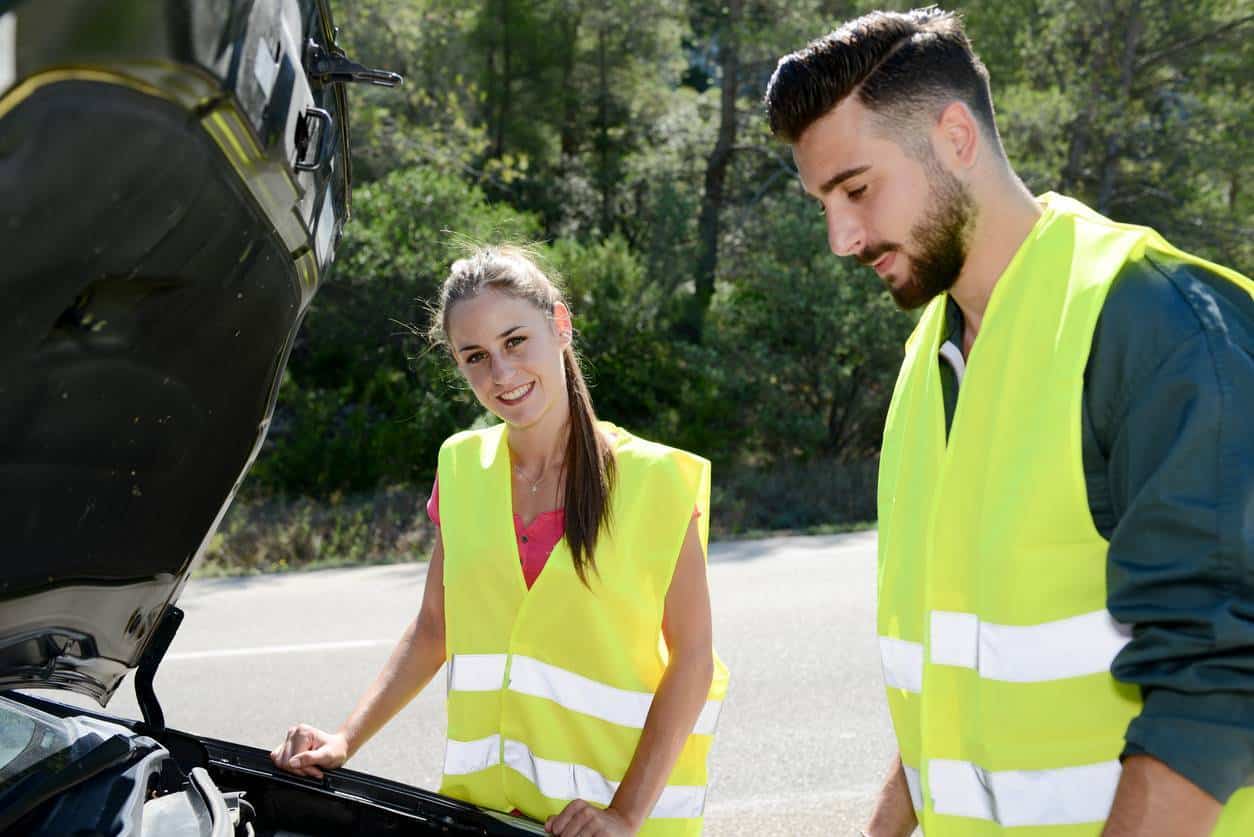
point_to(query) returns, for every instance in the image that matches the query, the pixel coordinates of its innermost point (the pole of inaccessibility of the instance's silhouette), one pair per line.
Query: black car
(175, 178)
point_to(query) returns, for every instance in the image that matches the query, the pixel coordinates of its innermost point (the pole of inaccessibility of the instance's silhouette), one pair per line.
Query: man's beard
(939, 241)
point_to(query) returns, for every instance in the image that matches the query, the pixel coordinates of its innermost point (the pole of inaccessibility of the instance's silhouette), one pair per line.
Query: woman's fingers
(573, 821)
(559, 823)
(580, 819)
(296, 753)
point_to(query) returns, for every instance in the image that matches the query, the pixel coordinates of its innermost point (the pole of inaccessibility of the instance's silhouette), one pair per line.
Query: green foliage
(430, 119)
(815, 341)
(594, 126)
(1140, 108)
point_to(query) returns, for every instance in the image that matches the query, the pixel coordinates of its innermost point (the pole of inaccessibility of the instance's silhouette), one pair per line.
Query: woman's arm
(414, 661)
(680, 697)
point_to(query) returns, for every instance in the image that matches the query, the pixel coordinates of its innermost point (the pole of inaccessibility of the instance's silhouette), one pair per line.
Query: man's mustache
(870, 255)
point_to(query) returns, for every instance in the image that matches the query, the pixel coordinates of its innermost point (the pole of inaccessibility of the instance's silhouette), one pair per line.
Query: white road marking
(262, 650)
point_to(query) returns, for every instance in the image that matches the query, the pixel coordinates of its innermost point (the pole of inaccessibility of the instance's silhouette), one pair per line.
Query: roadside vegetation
(627, 138)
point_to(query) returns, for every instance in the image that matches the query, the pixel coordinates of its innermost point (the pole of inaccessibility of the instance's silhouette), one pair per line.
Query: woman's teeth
(516, 393)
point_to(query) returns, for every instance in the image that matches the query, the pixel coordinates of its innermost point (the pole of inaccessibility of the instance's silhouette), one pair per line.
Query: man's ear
(957, 136)
(562, 326)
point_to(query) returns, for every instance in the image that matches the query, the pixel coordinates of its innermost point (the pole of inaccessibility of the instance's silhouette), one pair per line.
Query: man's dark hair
(900, 65)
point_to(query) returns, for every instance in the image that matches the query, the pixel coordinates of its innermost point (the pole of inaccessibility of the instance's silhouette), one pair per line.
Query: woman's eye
(514, 342)
(474, 357)
(856, 194)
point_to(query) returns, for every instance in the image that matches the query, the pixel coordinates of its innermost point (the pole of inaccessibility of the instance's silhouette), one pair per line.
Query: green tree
(1138, 107)
(814, 341)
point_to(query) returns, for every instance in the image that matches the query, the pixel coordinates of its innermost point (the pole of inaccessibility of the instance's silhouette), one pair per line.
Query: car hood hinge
(154, 720)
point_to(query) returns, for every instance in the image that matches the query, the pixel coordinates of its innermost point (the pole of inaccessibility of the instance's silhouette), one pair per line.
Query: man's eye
(856, 194)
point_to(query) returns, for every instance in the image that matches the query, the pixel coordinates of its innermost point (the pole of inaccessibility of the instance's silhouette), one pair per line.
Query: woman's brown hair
(589, 465)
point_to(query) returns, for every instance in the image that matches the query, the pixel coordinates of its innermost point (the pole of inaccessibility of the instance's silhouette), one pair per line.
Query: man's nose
(845, 235)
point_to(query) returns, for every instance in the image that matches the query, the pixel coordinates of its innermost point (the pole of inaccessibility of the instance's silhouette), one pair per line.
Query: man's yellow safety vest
(994, 633)
(549, 688)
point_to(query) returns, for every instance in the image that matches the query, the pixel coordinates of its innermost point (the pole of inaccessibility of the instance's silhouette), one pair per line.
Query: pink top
(535, 542)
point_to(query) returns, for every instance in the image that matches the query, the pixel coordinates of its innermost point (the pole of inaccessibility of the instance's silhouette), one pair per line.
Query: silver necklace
(534, 486)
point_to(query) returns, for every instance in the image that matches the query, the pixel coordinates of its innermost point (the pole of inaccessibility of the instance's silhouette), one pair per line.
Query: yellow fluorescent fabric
(549, 689)
(994, 633)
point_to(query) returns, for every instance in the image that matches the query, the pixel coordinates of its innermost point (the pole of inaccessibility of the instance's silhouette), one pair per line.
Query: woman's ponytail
(590, 470)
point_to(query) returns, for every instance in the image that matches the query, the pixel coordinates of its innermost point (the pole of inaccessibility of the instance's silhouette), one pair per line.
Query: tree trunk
(492, 107)
(709, 226)
(1081, 129)
(570, 101)
(604, 176)
(503, 97)
(1110, 160)
(840, 410)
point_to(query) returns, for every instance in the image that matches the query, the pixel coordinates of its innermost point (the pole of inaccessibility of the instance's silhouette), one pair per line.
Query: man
(1066, 581)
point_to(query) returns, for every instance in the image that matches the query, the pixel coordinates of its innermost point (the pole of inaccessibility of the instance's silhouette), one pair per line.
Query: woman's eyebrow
(506, 333)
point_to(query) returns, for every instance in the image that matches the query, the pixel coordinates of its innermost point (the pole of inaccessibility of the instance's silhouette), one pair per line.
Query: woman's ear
(561, 323)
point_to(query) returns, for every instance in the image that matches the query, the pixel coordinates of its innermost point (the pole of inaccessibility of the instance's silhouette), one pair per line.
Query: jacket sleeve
(1170, 397)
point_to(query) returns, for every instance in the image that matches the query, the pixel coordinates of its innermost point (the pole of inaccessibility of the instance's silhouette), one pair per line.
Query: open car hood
(175, 179)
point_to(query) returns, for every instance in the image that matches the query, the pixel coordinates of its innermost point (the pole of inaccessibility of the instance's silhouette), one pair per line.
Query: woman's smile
(517, 394)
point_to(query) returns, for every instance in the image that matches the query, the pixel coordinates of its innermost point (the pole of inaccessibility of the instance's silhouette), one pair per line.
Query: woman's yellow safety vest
(549, 688)
(994, 633)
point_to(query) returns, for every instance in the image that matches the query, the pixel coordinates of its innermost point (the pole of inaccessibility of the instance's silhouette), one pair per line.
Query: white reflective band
(903, 664)
(561, 780)
(1073, 647)
(476, 672)
(915, 784)
(572, 691)
(707, 721)
(955, 638)
(1063, 796)
(462, 757)
(1053, 650)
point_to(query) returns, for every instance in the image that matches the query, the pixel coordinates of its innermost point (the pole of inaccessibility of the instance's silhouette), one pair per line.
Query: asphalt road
(803, 740)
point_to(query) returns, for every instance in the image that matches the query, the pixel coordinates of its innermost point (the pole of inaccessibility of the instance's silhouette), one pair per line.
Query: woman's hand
(579, 819)
(307, 751)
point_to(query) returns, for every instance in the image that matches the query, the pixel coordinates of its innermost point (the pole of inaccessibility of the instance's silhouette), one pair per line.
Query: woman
(583, 685)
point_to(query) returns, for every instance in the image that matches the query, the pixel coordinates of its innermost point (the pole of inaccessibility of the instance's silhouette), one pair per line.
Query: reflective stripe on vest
(563, 780)
(1064, 796)
(1055, 650)
(486, 673)
(1013, 653)
(903, 664)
